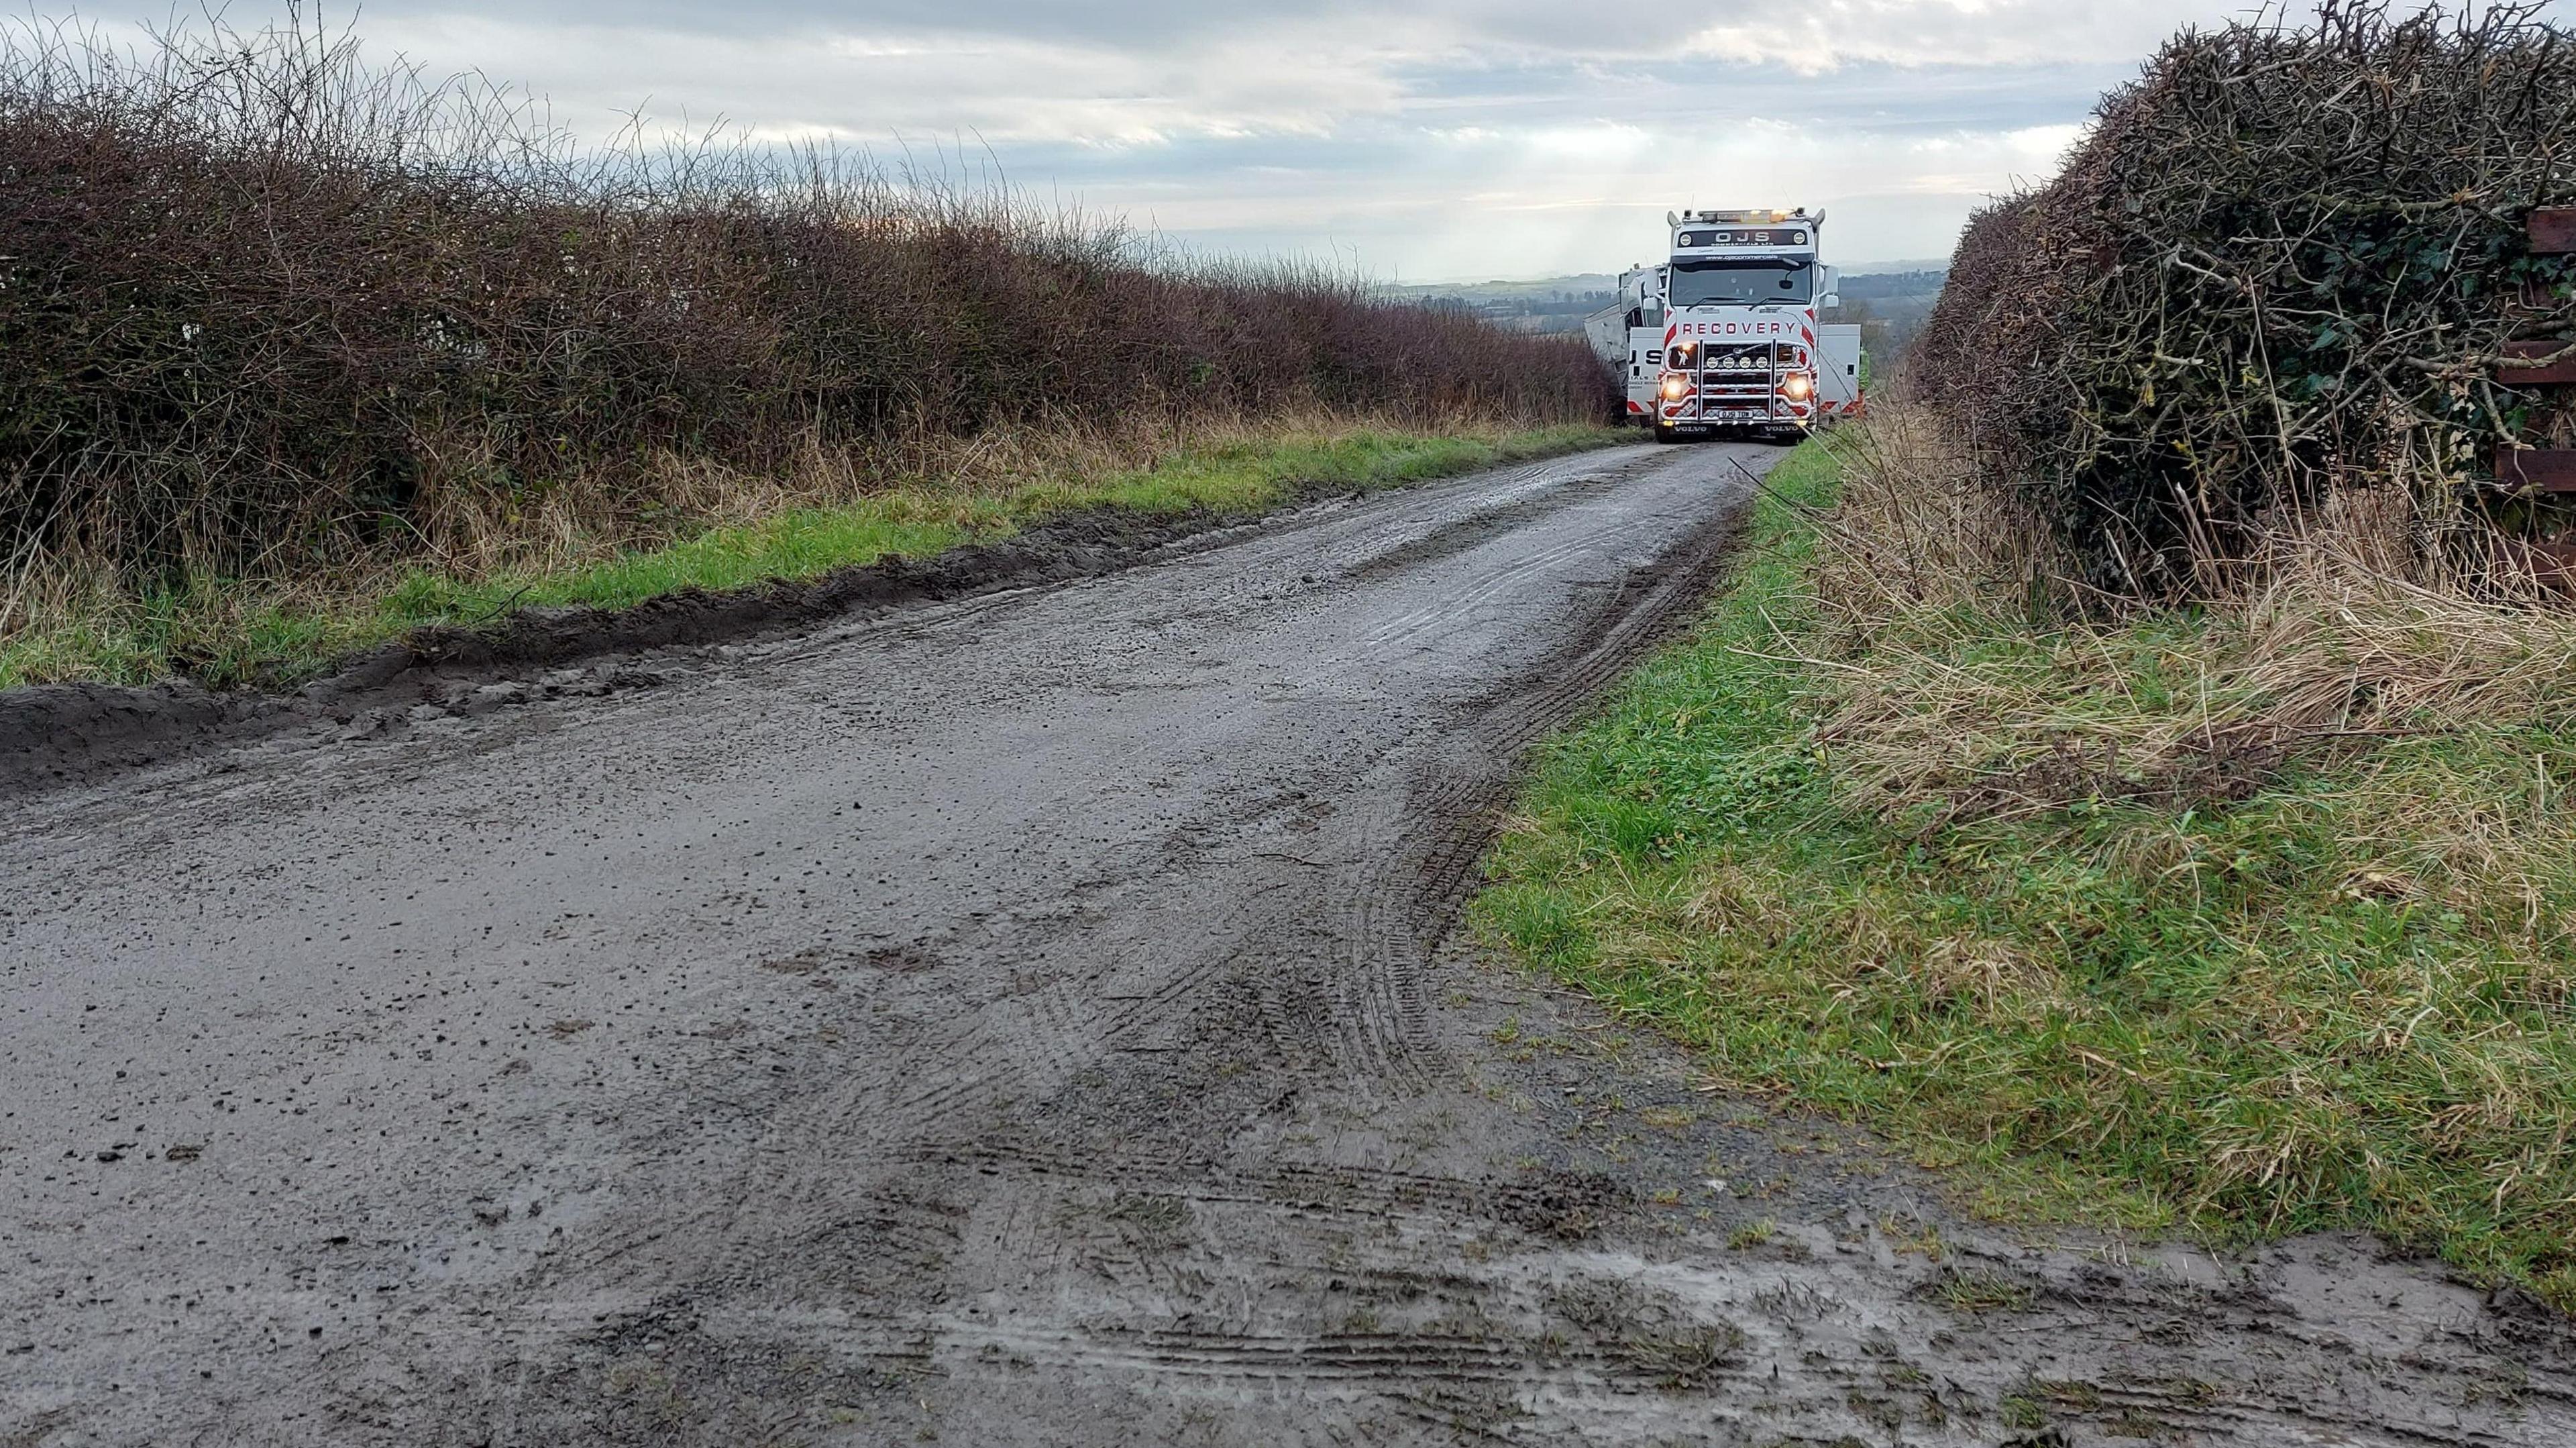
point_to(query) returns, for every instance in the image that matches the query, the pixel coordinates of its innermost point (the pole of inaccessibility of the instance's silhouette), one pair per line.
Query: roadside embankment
(2248, 917)
(139, 680)
(234, 633)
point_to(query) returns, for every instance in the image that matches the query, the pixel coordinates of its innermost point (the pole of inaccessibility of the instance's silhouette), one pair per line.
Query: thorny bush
(2283, 263)
(264, 309)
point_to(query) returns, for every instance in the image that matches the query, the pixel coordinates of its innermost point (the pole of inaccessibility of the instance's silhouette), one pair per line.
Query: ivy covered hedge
(2283, 261)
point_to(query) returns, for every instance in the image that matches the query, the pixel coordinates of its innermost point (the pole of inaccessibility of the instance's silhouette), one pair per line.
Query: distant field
(1891, 305)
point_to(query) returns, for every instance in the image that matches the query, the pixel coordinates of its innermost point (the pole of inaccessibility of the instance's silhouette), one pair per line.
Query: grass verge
(2247, 920)
(236, 633)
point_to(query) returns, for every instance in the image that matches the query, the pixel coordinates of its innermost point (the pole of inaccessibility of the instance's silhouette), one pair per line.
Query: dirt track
(1031, 1019)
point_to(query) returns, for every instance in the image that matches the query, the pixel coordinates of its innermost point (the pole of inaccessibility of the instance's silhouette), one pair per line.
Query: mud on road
(1033, 1019)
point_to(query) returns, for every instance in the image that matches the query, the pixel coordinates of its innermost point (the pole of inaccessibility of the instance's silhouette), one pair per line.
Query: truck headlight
(1674, 387)
(1797, 387)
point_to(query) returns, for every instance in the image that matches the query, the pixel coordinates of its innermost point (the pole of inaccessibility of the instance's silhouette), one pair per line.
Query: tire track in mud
(1403, 908)
(1453, 534)
(1407, 897)
(1034, 1019)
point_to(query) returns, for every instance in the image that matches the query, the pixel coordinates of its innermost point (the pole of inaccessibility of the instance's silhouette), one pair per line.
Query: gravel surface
(1035, 1018)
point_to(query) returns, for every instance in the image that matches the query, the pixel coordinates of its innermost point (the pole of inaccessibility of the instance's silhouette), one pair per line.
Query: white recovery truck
(1629, 335)
(1741, 348)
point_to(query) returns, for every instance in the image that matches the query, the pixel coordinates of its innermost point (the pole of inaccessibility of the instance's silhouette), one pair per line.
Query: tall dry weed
(1965, 677)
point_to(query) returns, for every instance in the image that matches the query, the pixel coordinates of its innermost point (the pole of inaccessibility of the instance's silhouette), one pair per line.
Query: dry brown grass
(2344, 629)
(588, 517)
(67, 616)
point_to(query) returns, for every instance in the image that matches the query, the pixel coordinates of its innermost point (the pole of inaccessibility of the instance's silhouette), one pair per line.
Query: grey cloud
(1940, 29)
(1315, 125)
(1878, 97)
(1151, 24)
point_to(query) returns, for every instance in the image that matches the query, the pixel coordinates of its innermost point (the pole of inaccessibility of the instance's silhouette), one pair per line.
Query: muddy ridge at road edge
(59, 734)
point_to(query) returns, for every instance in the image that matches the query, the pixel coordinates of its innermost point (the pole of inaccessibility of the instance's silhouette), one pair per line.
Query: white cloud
(1823, 37)
(871, 87)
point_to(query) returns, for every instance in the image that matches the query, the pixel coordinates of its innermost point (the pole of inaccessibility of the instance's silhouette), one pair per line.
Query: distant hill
(1587, 283)
(1578, 284)
(1889, 300)
(1550, 304)
(1889, 306)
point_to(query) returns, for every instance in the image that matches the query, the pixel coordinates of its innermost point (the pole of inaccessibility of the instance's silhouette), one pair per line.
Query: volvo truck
(1741, 351)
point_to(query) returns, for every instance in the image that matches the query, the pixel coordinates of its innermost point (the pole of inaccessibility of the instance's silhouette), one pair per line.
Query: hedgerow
(264, 308)
(2283, 262)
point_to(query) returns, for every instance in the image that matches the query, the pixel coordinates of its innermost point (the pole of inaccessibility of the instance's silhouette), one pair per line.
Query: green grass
(232, 633)
(2348, 1000)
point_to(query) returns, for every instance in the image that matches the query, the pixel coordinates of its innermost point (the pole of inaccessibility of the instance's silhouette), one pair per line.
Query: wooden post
(2553, 230)
(2547, 469)
(2544, 470)
(2561, 371)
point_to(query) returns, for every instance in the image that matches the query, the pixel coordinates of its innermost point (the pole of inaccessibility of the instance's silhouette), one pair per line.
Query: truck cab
(1741, 348)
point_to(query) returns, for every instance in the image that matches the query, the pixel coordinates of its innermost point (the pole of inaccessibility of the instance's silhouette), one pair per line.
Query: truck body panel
(1838, 371)
(1628, 334)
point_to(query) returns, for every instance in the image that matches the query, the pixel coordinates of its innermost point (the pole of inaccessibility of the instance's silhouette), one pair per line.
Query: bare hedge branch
(262, 306)
(2284, 261)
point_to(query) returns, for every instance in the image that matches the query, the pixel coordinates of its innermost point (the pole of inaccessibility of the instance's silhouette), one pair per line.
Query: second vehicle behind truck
(1629, 335)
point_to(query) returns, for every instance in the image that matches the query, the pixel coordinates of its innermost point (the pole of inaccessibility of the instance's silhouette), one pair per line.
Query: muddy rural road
(1031, 1019)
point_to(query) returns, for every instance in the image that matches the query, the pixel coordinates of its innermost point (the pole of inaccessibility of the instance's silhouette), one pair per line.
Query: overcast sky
(1453, 141)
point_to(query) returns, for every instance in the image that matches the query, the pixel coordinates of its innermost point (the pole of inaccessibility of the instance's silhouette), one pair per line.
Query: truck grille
(1744, 359)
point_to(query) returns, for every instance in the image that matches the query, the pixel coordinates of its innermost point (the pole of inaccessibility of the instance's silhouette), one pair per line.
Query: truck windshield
(1706, 281)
